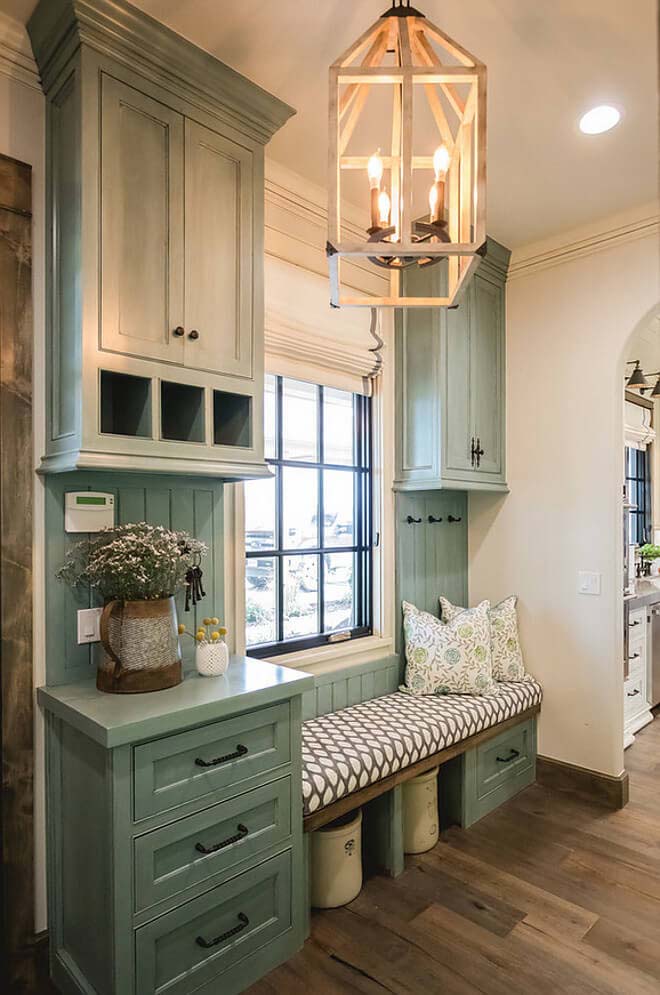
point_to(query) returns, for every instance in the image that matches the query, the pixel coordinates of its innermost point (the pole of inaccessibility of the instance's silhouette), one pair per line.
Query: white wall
(570, 315)
(22, 137)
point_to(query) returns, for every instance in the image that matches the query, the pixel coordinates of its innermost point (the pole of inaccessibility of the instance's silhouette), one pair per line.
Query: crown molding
(608, 233)
(16, 58)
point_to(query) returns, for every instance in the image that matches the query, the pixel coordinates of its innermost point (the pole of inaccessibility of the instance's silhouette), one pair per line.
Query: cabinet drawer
(171, 859)
(222, 757)
(187, 948)
(637, 621)
(634, 697)
(503, 759)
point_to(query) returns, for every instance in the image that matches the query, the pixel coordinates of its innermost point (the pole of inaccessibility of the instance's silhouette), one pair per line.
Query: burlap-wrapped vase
(140, 647)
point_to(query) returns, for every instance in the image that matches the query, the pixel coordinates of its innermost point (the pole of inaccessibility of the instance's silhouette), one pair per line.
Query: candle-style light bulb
(441, 162)
(375, 174)
(375, 170)
(433, 200)
(384, 209)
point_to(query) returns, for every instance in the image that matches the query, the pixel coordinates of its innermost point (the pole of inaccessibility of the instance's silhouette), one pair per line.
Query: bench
(362, 739)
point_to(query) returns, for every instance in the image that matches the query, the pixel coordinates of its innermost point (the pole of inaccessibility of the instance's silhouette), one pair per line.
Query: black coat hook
(413, 521)
(450, 518)
(433, 521)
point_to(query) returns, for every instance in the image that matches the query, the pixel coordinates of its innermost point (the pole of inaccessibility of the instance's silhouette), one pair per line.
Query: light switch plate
(89, 622)
(589, 582)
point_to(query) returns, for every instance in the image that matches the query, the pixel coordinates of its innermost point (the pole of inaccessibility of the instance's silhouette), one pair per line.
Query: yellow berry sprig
(203, 635)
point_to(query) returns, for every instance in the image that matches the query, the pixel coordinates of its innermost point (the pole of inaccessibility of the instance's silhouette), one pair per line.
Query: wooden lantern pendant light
(439, 149)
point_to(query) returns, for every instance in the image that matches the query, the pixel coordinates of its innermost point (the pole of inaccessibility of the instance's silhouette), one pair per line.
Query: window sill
(324, 659)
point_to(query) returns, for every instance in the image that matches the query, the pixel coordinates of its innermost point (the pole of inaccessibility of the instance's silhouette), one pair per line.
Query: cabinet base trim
(604, 788)
(84, 460)
(442, 484)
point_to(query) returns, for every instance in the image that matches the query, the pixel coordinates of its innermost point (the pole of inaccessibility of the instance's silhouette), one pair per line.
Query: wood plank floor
(550, 894)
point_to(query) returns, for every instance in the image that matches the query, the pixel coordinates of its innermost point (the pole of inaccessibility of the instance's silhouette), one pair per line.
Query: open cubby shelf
(181, 412)
(232, 419)
(125, 405)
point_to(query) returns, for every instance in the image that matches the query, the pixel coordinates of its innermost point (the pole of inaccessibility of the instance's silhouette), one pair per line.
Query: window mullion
(321, 515)
(280, 514)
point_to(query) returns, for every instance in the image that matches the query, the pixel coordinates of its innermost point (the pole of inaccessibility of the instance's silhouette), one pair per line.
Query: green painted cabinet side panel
(432, 557)
(382, 834)
(193, 504)
(84, 829)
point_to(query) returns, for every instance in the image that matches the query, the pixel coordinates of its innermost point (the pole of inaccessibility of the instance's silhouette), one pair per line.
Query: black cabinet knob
(194, 334)
(179, 331)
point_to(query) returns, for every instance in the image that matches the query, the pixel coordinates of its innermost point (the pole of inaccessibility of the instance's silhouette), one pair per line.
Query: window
(308, 528)
(638, 492)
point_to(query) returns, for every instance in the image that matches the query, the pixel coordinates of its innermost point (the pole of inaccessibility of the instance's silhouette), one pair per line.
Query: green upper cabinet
(155, 160)
(450, 367)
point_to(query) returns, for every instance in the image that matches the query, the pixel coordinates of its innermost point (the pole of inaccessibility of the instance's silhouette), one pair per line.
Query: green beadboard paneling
(432, 558)
(191, 503)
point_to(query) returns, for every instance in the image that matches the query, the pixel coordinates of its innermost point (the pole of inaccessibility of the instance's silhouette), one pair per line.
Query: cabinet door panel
(486, 372)
(457, 438)
(142, 224)
(218, 299)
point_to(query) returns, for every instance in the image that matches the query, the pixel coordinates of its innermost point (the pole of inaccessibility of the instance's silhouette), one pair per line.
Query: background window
(308, 528)
(638, 491)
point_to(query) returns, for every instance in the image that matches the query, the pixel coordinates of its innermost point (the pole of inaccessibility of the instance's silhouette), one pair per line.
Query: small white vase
(211, 659)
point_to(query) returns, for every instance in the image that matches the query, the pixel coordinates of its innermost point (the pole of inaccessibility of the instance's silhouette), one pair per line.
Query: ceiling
(548, 62)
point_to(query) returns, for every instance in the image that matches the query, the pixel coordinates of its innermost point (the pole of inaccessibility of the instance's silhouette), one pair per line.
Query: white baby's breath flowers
(134, 562)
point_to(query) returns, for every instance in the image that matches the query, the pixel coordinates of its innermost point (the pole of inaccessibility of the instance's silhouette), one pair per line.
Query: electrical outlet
(89, 622)
(588, 582)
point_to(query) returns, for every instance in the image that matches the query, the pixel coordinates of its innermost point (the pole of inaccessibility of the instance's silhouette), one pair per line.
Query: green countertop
(115, 719)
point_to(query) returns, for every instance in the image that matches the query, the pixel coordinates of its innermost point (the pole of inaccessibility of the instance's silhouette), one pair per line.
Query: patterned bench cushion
(347, 750)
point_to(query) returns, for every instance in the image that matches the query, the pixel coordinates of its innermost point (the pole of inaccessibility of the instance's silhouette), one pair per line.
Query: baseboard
(604, 788)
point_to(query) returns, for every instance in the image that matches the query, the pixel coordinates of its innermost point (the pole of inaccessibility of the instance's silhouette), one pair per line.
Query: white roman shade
(309, 340)
(638, 429)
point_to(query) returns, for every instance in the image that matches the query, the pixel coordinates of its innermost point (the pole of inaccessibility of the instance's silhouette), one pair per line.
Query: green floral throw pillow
(453, 658)
(508, 663)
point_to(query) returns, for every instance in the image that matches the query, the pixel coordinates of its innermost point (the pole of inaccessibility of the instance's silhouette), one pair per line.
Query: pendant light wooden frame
(418, 63)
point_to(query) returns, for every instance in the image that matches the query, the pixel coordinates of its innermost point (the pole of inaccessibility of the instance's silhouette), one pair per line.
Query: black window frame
(362, 547)
(638, 491)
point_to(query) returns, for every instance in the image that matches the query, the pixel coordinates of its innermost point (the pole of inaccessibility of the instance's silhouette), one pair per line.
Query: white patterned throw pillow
(453, 658)
(508, 664)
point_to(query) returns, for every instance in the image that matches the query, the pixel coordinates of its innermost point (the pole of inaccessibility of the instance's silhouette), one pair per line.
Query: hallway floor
(549, 894)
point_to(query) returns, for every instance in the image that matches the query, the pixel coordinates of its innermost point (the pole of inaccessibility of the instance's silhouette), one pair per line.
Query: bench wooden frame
(343, 805)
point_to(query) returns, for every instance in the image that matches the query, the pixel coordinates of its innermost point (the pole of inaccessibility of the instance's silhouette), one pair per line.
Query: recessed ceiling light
(599, 119)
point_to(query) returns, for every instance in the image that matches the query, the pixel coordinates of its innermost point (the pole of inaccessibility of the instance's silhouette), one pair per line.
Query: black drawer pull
(434, 521)
(243, 921)
(631, 694)
(240, 833)
(507, 760)
(451, 519)
(240, 752)
(633, 624)
(413, 521)
(634, 656)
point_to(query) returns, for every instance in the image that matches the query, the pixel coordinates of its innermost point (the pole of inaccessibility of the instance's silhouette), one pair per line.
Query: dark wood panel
(553, 892)
(16, 476)
(613, 791)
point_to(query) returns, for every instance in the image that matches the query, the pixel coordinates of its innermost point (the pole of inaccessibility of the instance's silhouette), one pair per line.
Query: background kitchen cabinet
(155, 204)
(451, 383)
